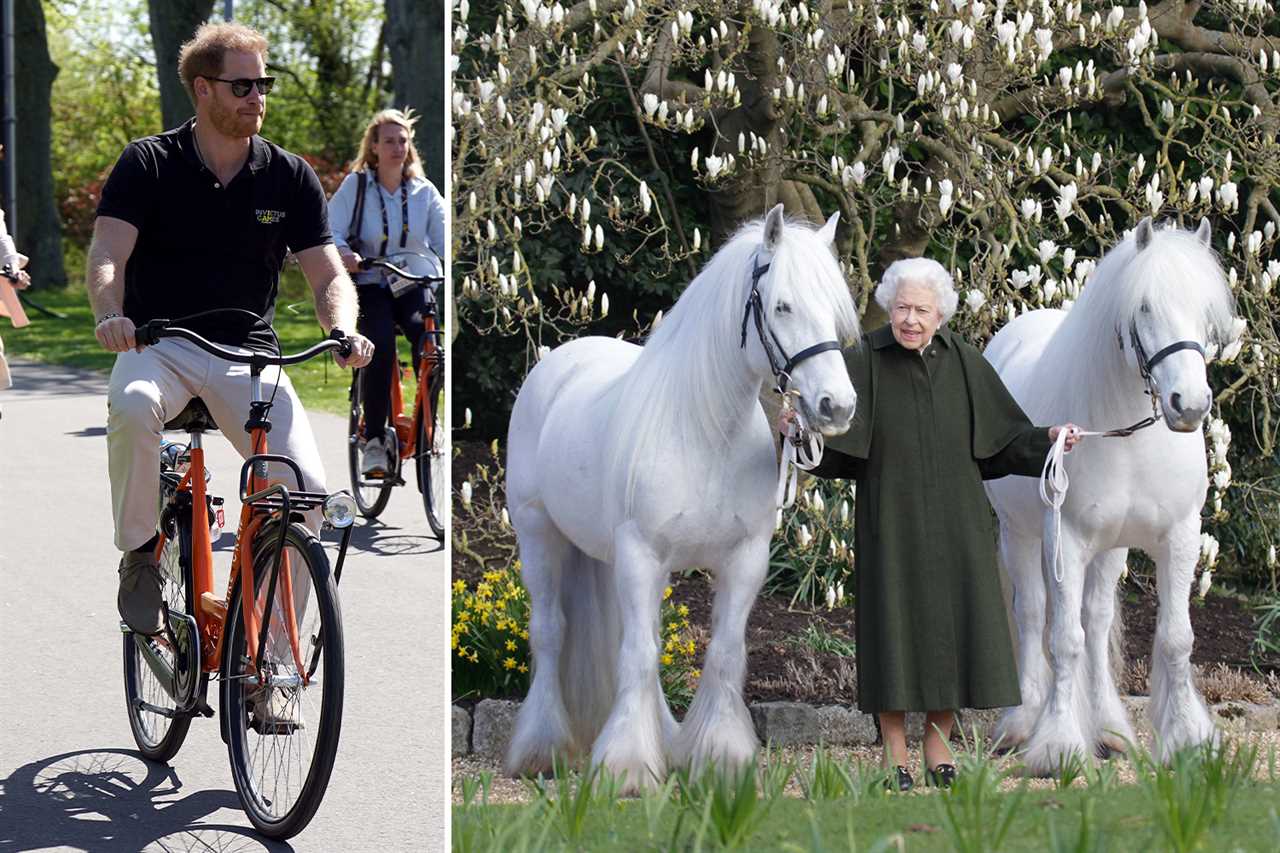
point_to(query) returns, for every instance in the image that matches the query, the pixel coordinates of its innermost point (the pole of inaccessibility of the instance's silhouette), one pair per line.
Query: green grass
(320, 383)
(1209, 798)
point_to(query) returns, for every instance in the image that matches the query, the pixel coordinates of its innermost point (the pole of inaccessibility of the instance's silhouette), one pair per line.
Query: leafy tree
(172, 23)
(37, 231)
(1014, 141)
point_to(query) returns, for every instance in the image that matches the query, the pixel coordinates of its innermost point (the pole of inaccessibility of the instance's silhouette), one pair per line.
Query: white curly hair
(923, 271)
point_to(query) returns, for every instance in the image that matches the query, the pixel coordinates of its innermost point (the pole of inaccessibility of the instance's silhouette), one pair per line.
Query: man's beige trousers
(151, 387)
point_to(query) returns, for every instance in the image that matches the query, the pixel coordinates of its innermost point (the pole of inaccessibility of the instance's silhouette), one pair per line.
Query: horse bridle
(779, 362)
(1145, 366)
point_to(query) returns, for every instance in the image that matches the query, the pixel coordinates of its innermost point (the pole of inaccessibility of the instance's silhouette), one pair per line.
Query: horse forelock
(683, 386)
(1083, 375)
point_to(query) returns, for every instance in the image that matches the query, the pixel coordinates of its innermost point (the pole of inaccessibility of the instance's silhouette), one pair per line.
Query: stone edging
(486, 731)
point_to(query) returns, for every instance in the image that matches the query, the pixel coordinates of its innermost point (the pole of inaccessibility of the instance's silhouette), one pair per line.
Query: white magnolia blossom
(974, 299)
(1208, 550)
(1206, 580)
(465, 493)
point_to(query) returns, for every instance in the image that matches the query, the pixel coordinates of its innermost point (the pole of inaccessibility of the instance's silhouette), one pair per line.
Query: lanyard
(404, 216)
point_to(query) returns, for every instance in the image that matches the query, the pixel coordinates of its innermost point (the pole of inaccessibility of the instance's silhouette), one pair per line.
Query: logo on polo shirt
(269, 217)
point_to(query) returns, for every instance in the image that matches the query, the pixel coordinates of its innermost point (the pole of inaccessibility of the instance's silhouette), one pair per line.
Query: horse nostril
(824, 408)
(1175, 400)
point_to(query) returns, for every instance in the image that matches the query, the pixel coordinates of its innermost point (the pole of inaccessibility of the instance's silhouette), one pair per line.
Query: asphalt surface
(69, 776)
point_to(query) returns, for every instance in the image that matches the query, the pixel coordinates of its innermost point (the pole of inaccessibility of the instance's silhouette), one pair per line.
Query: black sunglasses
(241, 86)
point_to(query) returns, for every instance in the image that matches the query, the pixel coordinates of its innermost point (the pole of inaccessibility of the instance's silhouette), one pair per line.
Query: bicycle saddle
(194, 418)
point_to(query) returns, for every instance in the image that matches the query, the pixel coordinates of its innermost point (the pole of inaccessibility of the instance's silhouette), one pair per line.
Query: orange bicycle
(274, 642)
(419, 436)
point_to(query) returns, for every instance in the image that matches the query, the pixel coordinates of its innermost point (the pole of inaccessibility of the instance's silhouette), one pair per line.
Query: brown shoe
(141, 597)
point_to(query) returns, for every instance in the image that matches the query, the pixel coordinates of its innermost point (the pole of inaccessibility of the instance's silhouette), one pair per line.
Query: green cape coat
(932, 629)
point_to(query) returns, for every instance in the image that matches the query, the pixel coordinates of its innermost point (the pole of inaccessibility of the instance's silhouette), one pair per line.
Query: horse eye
(1146, 308)
(783, 308)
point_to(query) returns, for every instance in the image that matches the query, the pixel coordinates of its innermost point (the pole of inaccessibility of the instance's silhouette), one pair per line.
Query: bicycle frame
(432, 358)
(261, 501)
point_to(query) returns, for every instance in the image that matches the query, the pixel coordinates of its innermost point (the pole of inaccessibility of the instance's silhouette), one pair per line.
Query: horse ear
(1204, 233)
(773, 228)
(1142, 236)
(828, 231)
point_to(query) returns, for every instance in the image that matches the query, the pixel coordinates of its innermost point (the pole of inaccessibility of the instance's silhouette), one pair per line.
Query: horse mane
(1083, 376)
(684, 384)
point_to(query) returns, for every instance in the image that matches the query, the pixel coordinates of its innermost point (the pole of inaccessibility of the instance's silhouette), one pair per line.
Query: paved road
(69, 779)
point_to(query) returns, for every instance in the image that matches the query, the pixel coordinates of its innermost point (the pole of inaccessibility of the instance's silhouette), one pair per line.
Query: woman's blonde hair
(367, 158)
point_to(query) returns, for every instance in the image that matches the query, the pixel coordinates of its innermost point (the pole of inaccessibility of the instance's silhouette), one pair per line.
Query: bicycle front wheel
(432, 456)
(283, 736)
(159, 734)
(371, 495)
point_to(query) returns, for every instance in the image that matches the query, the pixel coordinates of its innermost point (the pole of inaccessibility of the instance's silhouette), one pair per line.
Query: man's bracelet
(105, 317)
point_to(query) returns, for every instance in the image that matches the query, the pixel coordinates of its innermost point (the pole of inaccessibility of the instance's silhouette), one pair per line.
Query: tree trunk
(39, 232)
(416, 37)
(172, 23)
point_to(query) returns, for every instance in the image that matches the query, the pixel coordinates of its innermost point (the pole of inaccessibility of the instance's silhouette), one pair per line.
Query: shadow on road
(112, 799)
(54, 380)
(89, 432)
(374, 537)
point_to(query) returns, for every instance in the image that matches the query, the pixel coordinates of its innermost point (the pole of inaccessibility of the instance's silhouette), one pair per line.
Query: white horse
(625, 464)
(1156, 300)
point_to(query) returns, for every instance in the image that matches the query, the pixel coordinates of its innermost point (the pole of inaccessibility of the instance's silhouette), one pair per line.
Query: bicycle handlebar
(152, 331)
(369, 263)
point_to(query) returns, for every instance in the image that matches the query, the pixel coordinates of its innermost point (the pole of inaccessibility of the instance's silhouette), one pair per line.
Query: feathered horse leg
(1020, 556)
(631, 746)
(1060, 730)
(718, 727)
(543, 733)
(1178, 713)
(1111, 730)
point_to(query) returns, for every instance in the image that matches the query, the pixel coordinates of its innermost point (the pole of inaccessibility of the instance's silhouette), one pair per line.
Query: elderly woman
(934, 421)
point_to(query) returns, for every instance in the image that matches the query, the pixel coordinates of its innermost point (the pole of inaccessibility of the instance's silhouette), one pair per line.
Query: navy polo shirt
(202, 245)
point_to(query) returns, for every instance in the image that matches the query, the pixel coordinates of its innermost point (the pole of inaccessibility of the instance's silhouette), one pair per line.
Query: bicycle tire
(432, 458)
(370, 500)
(275, 814)
(158, 737)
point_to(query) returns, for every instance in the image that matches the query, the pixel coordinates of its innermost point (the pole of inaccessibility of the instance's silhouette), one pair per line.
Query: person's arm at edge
(113, 243)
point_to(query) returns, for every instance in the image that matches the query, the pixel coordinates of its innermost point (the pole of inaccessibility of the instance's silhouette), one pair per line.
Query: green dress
(932, 630)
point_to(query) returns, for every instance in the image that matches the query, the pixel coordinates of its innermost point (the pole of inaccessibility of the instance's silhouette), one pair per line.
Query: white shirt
(426, 222)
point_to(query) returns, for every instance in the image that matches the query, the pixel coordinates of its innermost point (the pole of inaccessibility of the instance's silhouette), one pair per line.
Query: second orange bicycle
(417, 435)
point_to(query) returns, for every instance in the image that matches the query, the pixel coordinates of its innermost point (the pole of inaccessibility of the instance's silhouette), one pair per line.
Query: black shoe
(899, 780)
(942, 776)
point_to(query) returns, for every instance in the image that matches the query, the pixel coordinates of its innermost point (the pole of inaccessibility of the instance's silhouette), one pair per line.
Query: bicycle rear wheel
(371, 495)
(283, 737)
(432, 455)
(159, 736)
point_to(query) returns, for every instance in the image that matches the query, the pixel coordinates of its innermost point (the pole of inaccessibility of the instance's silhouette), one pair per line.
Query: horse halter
(1145, 366)
(779, 362)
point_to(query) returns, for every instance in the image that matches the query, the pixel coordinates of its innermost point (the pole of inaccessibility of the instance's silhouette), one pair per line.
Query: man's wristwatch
(105, 317)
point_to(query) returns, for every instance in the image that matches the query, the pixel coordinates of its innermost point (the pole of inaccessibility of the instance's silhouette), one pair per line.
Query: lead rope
(1054, 481)
(801, 451)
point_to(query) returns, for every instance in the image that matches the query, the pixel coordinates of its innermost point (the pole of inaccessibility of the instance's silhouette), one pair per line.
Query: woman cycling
(386, 206)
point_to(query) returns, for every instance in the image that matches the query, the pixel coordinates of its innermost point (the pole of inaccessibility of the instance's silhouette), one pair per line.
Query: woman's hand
(1073, 435)
(350, 260)
(23, 280)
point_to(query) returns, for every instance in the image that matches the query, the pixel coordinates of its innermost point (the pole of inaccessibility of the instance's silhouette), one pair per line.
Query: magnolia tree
(1012, 141)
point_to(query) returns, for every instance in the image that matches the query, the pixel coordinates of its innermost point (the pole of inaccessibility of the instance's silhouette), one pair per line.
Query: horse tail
(589, 601)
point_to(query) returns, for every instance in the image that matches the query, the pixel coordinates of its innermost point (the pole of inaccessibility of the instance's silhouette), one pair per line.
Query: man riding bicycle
(191, 220)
